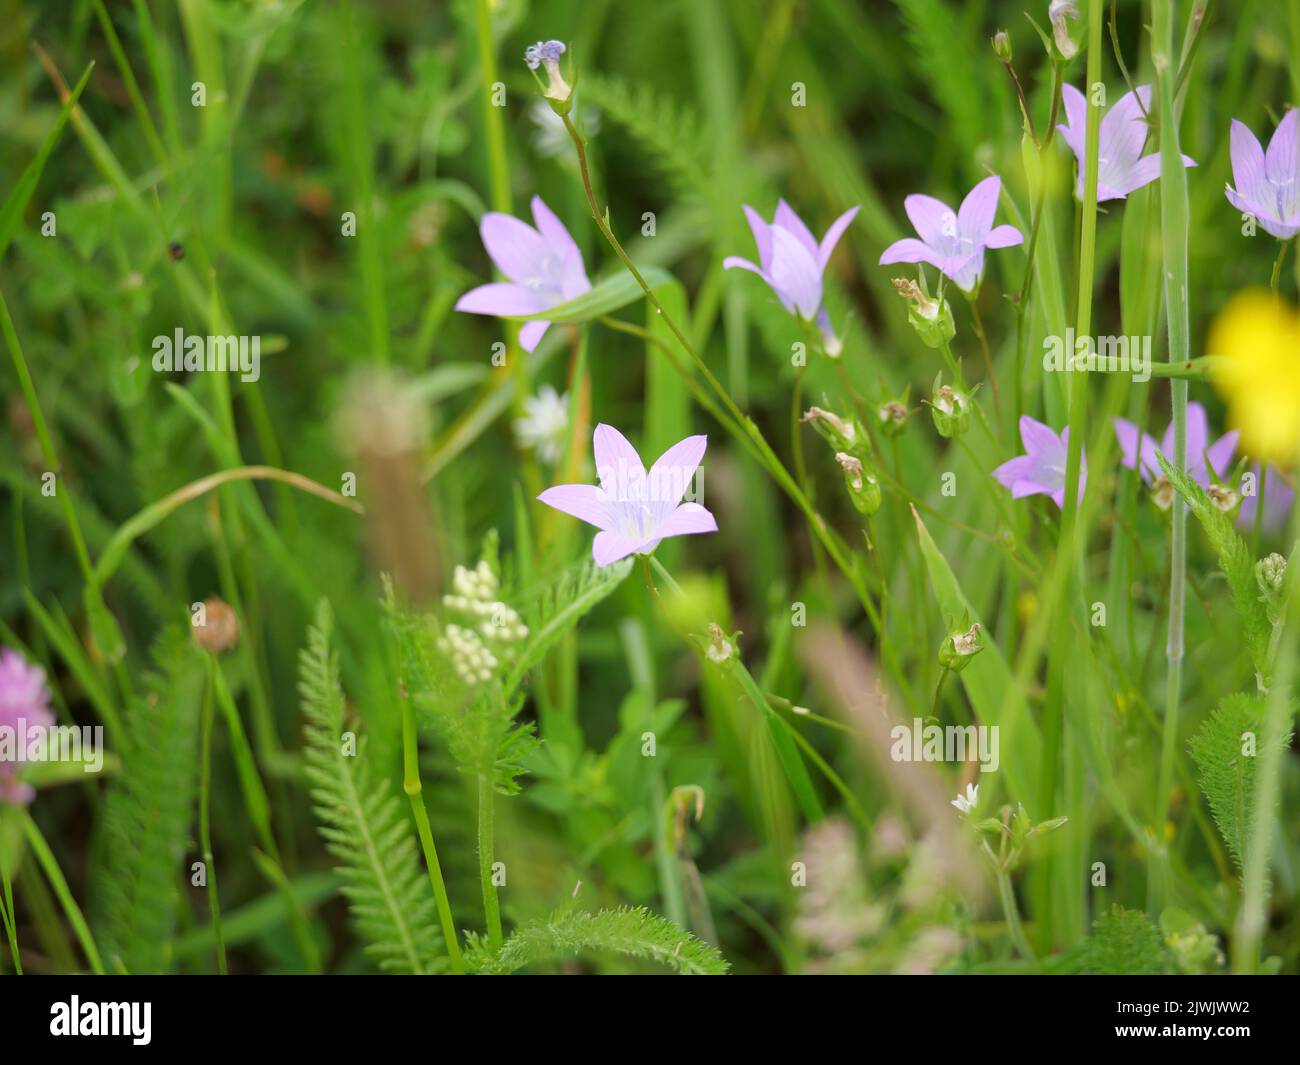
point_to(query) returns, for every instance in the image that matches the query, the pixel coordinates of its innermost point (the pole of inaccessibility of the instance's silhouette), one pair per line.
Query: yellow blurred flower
(1259, 339)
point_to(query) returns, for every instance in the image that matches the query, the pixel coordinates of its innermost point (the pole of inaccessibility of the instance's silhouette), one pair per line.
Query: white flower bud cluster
(475, 596)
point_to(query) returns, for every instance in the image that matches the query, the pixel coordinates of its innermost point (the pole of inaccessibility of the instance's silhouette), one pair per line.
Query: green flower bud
(958, 648)
(892, 415)
(931, 317)
(842, 435)
(1270, 574)
(950, 409)
(1002, 46)
(864, 488)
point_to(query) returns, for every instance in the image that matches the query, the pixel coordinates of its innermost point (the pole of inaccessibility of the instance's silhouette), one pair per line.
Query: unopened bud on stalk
(959, 647)
(842, 435)
(1002, 46)
(1057, 12)
(721, 648)
(950, 409)
(893, 415)
(863, 487)
(1270, 574)
(931, 317)
(546, 55)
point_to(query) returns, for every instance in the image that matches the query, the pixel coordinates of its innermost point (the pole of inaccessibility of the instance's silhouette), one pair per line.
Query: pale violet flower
(1268, 183)
(634, 509)
(954, 241)
(545, 424)
(544, 269)
(546, 54)
(1041, 470)
(966, 803)
(1278, 498)
(1140, 450)
(792, 263)
(1121, 166)
(24, 706)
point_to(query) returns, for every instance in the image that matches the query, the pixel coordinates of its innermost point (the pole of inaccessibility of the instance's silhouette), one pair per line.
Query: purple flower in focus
(1278, 497)
(792, 262)
(1041, 470)
(24, 704)
(634, 509)
(543, 265)
(1121, 166)
(1268, 184)
(954, 242)
(1199, 448)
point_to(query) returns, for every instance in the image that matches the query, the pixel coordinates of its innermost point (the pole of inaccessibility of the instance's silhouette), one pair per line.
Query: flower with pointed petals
(1268, 183)
(1139, 449)
(1121, 166)
(546, 54)
(1278, 498)
(792, 263)
(966, 803)
(24, 705)
(952, 242)
(634, 509)
(1041, 470)
(543, 267)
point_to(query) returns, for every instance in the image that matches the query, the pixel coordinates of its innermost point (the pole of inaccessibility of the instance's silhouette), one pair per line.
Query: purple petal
(618, 466)
(975, 216)
(965, 270)
(908, 250)
(793, 224)
(553, 232)
(1013, 470)
(795, 275)
(732, 261)
(1004, 236)
(516, 247)
(934, 221)
(1076, 116)
(1129, 437)
(531, 334)
(1221, 451)
(671, 475)
(833, 236)
(585, 502)
(1248, 164)
(1282, 164)
(1037, 437)
(686, 519)
(1198, 436)
(500, 298)
(762, 236)
(609, 547)
(1124, 130)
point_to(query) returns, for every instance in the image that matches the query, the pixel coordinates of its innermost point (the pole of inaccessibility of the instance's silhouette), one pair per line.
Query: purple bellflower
(1278, 498)
(1041, 469)
(24, 705)
(1121, 166)
(792, 263)
(543, 266)
(634, 509)
(1140, 454)
(1268, 183)
(954, 242)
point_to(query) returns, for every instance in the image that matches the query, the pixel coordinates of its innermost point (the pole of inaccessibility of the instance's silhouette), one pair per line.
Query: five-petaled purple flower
(792, 263)
(544, 267)
(1041, 470)
(1268, 183)
(634, 509)
(1199, 448)
(954, 242)
(1121, 166)
(1278, 497)
(24, 705)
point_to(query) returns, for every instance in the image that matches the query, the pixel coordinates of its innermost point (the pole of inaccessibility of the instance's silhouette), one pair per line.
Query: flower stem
(491, 905)
(414, 789)
(1012, 914)
(60, 885)
(205, 824)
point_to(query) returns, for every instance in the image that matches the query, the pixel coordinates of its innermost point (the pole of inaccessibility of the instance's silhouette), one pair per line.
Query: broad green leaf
(604, 298)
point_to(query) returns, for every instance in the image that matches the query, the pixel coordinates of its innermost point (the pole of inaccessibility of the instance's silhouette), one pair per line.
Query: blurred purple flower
(792, 262)
(634, 509)
(1121, 166)
(24, 704)
(544, 267)
(1041, 470)
(1268, 184)
(1278, 497)
(1198, 448)
(954, 242)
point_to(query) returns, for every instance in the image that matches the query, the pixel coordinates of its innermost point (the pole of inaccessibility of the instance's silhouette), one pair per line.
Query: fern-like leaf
(1226, 759)
(1235, 560)
(635, 932)
(148, 814)
(1123, 943)
(363, 824)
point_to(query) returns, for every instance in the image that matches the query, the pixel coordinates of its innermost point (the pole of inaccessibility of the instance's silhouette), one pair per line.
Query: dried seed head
(220, 628)
(1223, 498)
(1163, 493)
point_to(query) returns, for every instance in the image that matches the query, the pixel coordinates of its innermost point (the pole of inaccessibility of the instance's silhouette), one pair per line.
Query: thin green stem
(486, 830)
(205, 824)
(71, 910)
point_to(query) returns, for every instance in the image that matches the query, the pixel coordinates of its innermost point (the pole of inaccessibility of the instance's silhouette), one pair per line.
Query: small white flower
(966, 803)
(545, 424)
